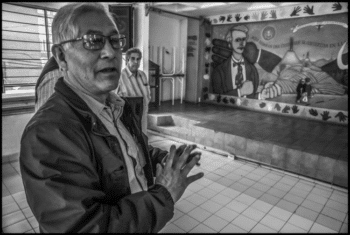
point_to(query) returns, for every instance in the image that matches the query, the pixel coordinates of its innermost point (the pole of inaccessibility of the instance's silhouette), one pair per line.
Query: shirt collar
(96, 106)
(128, 72)
(236, 61)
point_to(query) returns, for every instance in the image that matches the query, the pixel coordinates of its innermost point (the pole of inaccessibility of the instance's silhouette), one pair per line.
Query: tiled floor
(232, 197)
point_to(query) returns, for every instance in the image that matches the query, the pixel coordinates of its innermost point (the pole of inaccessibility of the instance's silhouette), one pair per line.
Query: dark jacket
(74, 174)
(221, 78)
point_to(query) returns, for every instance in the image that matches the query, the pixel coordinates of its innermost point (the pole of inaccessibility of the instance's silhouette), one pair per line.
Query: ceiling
(194, 9)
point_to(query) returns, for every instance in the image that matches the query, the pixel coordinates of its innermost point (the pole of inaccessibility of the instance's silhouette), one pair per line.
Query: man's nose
(108, 50)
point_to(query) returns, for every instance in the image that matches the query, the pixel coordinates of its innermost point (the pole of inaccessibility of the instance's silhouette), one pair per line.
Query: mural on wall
(301, 61)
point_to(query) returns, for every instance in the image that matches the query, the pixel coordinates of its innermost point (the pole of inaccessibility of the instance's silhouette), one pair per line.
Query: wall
(12, 130)
(166, 30)
(193, 40)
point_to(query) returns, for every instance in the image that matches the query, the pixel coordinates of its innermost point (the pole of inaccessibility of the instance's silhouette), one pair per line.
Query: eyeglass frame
(82, 38)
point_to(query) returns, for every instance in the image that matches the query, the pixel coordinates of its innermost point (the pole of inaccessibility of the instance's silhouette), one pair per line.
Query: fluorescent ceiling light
(261, 5)
(206, 5)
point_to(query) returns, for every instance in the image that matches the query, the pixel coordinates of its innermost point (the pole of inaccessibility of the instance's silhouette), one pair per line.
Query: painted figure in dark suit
(236, 76)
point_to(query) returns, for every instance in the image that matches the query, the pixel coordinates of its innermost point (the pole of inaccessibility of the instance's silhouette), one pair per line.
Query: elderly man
(236, 76)
(85, 163)
(133, 82)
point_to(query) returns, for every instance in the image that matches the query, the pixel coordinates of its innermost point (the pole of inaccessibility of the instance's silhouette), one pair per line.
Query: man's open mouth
(108, 70)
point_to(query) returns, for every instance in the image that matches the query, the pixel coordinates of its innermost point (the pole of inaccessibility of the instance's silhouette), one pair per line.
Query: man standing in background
(134, 83)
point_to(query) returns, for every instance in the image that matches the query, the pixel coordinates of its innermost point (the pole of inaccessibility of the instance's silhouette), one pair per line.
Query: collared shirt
(135, 86)
(234, 71)
(110, 117)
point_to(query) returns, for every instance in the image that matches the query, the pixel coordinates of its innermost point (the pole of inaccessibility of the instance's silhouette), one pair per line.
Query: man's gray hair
(64, 26)
(132, 50)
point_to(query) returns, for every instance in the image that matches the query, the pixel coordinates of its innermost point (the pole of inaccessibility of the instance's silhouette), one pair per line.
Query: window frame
(19, 103)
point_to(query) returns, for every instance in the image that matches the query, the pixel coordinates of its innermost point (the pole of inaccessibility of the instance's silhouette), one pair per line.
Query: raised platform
(309, 148)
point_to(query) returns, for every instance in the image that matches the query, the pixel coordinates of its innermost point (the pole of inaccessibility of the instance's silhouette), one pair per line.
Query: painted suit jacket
(221, 78)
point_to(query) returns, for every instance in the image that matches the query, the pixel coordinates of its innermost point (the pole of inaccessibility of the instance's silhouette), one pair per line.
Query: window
(26, 43)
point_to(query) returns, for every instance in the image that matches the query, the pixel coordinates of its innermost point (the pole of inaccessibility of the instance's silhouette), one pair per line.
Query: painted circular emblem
(268, 33)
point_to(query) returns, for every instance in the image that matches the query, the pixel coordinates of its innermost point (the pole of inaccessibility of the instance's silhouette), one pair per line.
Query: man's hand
(173, 175)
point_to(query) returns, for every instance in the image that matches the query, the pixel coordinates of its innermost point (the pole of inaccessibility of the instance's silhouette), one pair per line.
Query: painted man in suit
(236, 76)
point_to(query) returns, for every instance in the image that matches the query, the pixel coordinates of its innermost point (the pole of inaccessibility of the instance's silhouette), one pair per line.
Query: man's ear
(59, 54)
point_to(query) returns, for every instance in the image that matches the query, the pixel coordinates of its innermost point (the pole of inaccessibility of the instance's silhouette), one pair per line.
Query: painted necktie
(239, 75)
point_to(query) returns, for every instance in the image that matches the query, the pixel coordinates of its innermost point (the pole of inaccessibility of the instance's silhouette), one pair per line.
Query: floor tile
(216, 187)
(344, 228)
(260, 171)
(246, 199)
(269, 199)
(194, 187)
(20, 196)
(231, 193)
(222, 172)
(177, 214)
(186, 223)
(37, 230)
(339, 197)
(246, 181)
(33, 222)
(290, 228)
(272, 222)
(199, 214)
(289, 180)
(337, 206)
(300, 222)
(286, 205)
(19, 227)
(203, 181)
(10, 208)
(282, 186)
(335, 214)
(30, 231)
(306, 213)
(212, 176)
(261, 187)
(233, 176)
(255, 193)
(237, 206)
(185, 206)
(262, 206)
(225, 181)
(316, 198)
(312, 205)
(227, 214)
(260, 228)
(207, 193)
(215, 222)
(201, 228)
(329, 222)
(268, 181)
(305, 186)
(318, 228)
(299, 192)
(276, 192)
(280, 213)
(274, 176)
(244, 222)
(221, 199)
(253, 177)
(196, 199)
(6, 200)
(239, 187)
(231, 228)
(253, 214)
(211, 206)
(322, 192)
(23, 204)
(12, 218)
(293, 198)
(241, 172)
(247, 168)
(171, 228)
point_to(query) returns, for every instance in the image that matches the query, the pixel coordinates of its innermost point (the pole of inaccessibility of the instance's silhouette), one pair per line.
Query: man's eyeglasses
(97, 41)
